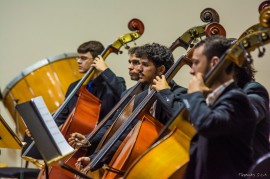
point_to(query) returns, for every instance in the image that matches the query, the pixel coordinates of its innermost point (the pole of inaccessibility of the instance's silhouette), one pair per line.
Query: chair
(261, 168)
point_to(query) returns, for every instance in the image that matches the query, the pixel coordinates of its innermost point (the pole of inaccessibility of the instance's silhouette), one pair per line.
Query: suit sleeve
(232, 112)
(259, 99)
(117, 84)
(170, 100)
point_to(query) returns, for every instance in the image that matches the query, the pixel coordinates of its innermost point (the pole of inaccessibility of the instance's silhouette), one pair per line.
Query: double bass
(146, 124)
(169, 148)
(83, 121)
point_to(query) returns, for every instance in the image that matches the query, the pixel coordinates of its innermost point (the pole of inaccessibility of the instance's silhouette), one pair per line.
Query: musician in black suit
(224, 120)
(105, 85)
(259, 98)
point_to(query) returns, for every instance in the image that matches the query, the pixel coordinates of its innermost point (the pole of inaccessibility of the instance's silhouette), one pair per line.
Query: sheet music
(58, 137)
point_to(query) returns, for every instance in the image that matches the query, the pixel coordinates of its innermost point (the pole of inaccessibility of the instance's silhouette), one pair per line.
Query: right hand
(82, 165)
(28, 133)
(77, 140)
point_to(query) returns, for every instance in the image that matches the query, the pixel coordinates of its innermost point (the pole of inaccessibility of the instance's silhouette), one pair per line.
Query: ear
(214, 61)
(161, 70)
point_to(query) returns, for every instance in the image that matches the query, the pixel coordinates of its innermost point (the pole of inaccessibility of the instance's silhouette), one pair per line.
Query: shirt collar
(212, 97)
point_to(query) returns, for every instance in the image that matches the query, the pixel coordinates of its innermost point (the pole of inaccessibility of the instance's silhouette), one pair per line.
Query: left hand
(197, 84)
(100, 64)
(160, 83)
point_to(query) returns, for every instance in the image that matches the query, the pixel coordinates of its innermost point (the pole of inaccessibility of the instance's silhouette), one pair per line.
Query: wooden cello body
(172, 166)
(82, 119)
(134, 145)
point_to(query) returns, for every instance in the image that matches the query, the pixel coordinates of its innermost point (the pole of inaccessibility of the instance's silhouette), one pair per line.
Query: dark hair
(159, 54)
(216, 45)
(94, 47)
(244, 74)
(132, 50)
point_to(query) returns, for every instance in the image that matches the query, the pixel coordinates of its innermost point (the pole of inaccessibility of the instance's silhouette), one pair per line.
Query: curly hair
(159, 54)
(94, 47)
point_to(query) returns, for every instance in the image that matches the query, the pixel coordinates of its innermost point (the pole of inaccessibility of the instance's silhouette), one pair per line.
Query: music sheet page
(53, 129)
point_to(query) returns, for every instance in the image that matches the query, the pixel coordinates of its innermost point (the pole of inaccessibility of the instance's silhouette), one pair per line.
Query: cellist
(105, 85)
(155, 60)
(224, 119)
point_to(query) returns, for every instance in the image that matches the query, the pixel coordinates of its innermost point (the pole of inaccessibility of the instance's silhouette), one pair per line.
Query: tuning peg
(247, 55)
(126, 46)
(261, 51)
(261, 48)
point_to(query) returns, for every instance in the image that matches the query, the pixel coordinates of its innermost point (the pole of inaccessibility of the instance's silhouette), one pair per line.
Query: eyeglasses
(83, 58)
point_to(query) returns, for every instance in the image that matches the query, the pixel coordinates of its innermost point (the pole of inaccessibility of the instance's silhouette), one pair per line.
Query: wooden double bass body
(167, 165)
(135, 143)
(83, 120)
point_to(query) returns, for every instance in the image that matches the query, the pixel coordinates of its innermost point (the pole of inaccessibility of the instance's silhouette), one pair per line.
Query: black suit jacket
(259, 99)
(222, 147)
(165, 101)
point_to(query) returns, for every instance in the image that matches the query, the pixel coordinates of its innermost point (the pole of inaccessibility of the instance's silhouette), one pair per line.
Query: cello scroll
(192, 35)
(133, 25)
(264, 19)
(209, 15)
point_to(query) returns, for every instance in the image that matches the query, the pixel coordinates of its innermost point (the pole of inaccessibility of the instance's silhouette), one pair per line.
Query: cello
(81, 123)
(175, 164)
(147, 122)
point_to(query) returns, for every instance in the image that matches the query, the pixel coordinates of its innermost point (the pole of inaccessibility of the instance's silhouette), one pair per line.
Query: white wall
(31, 30)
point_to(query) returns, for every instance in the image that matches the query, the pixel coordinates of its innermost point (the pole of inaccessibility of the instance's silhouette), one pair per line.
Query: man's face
(134, 67)
(84, 61)
(148, 71)
(199, 62)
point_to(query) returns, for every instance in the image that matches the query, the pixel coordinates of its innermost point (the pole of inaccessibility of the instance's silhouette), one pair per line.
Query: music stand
(8, 139)
(48, 138)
